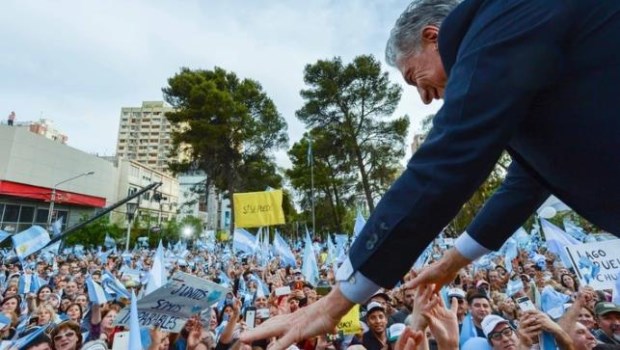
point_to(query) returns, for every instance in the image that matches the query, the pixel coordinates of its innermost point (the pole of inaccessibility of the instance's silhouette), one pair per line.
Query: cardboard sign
(350, 323)
(605, 254)
(174, 303)
(256, 209)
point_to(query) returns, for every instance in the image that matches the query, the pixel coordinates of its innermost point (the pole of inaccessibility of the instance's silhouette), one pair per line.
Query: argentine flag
(30, 241)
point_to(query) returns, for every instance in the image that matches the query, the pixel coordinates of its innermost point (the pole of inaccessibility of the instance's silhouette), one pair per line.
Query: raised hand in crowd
(319, 318)
(229, 330)
(157, 337)
(410, 340)
(533, 322)
(442, 322)
(441, 272)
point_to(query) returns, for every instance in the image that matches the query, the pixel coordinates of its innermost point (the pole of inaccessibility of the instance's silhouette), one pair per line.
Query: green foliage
(352, 106)
(356, 144)
(93, 234)
(226, 127)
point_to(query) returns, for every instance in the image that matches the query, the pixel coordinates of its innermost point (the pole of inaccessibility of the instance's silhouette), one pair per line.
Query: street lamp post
(53, 195)
(131, 210)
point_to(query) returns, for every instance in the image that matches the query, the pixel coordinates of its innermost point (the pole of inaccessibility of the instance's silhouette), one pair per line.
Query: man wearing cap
(608, 319)
(384, 299)
(500, 334)
(376, 336)
(461, 311)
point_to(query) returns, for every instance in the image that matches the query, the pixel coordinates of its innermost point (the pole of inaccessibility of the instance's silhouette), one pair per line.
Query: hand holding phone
(525, 304)
(250, 317)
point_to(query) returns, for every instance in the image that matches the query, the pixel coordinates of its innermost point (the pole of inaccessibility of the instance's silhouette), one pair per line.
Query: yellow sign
(256, 209)
(350, 323)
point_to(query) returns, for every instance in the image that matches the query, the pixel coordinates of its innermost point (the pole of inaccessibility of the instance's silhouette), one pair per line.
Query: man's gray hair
(405, 37)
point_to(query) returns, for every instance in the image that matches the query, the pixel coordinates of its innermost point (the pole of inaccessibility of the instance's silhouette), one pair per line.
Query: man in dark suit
(535, 78)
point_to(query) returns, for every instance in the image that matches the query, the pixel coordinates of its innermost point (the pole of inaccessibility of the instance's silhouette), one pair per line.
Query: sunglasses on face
(506, 332)
(64, 335)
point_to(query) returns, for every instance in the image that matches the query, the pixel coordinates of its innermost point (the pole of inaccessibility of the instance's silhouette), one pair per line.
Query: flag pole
(311, 160)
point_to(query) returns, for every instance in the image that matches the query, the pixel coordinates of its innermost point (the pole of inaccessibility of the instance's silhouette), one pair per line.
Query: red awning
(15, 189)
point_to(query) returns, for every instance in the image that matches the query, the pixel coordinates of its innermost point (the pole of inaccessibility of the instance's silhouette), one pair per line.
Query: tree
(353, 104)
(226, 127)
(334, 179)
(93, 234)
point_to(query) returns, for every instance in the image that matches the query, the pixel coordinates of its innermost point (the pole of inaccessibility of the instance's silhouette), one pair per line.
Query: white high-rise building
(144, 135)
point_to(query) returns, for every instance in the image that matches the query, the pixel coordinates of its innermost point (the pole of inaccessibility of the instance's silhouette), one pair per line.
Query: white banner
(605, 255)
(171, 305)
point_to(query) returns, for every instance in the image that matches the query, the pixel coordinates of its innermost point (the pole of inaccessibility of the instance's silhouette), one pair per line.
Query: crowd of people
(539, 303)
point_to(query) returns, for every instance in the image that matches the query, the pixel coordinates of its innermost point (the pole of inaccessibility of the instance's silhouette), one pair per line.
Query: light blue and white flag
(309, 267)
(521, 237)
(510, 253)
(224, 280)
(359, 224)
(423, 258)
(4, 321)
(57, 226)
(552, 302)
(615, 293)
(557, 240)
(113, 286)
(158, 276)
(284, 251)
(332, 252)
(109, 242)
(575, 231)
(514, 286)
(24, 285)
(96, 293)
(4, 235)
(244, 241)
(21, 343)
(135, 339)
(30, 241)
(468, 330)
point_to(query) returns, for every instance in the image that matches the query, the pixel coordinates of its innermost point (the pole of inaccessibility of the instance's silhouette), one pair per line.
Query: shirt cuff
(469, 248)
(355, 287)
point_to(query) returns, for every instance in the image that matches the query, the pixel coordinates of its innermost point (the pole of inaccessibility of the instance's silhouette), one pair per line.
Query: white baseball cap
(395, 331)
(373, 305)
(456, 292)
(490, 322)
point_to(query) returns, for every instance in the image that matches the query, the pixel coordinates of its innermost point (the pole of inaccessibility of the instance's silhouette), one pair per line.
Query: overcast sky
(78, 62)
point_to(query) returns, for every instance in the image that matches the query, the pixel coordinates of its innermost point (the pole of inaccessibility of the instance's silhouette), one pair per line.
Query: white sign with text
(605, 255)
(174, 303)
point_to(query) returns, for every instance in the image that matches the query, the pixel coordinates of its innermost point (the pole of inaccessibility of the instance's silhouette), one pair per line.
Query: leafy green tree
(93, 234)
(226, 127)
(354, 104)
(334, 179)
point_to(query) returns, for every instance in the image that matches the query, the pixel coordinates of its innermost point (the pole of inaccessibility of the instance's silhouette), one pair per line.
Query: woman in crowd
(67, 336)
(569, 282)
(12, 304)
(10, 290)
(44, 315)
(586, 318)
(74, 312)
(103, 327)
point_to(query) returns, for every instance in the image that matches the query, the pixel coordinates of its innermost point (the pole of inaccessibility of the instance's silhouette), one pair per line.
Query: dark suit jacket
(539, 78)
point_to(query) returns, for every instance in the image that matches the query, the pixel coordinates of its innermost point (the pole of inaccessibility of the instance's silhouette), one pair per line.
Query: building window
(11, 213)
(26, 214)
(134, 171)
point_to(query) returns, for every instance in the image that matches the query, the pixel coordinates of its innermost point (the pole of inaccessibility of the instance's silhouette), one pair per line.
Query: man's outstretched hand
(318, 318)
(441, 272)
